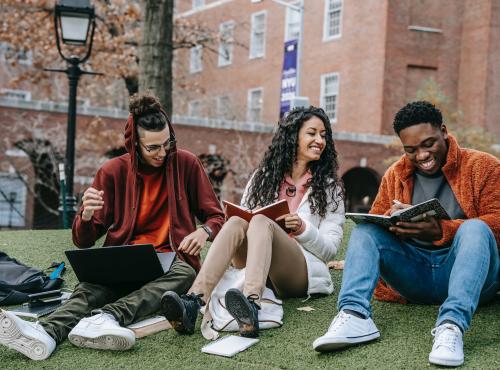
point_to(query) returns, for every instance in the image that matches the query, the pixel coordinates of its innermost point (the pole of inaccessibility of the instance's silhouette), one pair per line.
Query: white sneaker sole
(12, 336)
(443, 362)
(327, 344)
(111, 341)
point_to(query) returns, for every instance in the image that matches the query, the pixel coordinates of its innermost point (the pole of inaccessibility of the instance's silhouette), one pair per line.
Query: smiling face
(311, 140)
(425, 146)
(152, 146)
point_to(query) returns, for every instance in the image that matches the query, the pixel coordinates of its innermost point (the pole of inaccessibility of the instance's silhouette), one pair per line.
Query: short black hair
(415, 113)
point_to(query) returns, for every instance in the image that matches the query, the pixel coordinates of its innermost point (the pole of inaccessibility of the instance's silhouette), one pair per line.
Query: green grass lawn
(405, 331)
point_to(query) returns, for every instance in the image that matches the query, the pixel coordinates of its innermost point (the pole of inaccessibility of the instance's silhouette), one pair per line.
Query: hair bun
(144, 103)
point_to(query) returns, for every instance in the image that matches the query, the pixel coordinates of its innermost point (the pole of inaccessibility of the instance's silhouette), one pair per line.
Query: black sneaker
(182, 311)
(245, 311)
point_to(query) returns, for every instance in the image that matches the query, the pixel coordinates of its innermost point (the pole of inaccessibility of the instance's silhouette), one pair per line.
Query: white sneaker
(26, 337)
(448, 347)
(101, 331)
(346, 330)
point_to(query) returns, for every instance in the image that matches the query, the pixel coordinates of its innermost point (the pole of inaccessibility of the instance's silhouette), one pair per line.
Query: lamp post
(74, 22)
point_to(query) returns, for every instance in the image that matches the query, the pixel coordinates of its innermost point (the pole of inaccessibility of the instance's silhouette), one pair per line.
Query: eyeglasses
(167, 145)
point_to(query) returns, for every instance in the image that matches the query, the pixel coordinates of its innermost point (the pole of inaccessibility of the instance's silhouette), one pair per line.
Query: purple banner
(289, 76)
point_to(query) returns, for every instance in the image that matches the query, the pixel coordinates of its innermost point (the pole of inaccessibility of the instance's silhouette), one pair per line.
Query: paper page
(229, 346)
(150, 321)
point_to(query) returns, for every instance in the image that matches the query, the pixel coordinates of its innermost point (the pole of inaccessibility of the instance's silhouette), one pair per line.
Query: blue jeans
(457, 278)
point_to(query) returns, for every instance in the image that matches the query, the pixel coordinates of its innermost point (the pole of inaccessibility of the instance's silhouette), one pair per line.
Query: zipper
(135, 209)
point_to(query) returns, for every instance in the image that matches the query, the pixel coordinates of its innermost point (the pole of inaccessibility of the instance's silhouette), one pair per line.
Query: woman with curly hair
(300, 166)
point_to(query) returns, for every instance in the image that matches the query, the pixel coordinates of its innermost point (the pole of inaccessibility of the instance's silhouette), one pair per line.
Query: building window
(258, 35)
(195, 61)
(20, 56)
(194, 108)
(12, 94)
(330, 94)
(292, 23)
(223, 106)
(226, 44)
(12, 201)
(333, 19)
(254, 112)
(198, 3)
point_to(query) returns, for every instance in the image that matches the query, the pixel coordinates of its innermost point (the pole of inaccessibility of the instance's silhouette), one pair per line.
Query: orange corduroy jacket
(474, 178)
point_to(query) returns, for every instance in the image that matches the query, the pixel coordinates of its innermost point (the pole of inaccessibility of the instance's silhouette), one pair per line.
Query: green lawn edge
(405, 331)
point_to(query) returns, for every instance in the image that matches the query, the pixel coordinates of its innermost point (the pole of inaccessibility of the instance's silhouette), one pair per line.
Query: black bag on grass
(17, 281)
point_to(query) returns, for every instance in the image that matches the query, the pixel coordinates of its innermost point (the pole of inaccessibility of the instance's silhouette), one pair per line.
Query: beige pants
(264, 249)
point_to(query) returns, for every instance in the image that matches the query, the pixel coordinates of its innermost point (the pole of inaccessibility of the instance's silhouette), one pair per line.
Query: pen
(395, 201)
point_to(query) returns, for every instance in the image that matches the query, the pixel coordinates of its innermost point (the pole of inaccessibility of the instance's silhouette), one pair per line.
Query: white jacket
(319, 242)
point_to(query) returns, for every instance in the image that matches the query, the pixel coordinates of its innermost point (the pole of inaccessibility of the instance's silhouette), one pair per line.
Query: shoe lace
(252, 298)
(339, 321)
(446, 335)
(194, 298)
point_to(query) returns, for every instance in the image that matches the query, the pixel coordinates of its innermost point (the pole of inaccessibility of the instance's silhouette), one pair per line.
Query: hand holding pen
(397, 206)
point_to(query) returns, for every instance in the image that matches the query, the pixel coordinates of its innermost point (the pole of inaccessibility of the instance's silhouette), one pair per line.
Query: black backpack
(17, 281)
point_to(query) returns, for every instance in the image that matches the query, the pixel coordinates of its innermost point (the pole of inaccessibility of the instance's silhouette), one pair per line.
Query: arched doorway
(361, 185)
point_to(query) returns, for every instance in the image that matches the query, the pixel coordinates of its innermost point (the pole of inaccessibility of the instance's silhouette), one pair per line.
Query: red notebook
(272, 211)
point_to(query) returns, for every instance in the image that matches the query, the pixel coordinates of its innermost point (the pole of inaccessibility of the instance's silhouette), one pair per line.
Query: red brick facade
(385, 50)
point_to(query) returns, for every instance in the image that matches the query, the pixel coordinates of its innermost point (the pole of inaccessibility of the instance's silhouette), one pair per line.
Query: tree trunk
(156, 52)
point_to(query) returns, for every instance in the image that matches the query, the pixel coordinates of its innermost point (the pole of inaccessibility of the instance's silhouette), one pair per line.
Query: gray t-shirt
(427, 187)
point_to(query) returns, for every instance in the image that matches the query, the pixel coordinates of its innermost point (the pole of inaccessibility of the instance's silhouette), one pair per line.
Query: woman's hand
(292, 221)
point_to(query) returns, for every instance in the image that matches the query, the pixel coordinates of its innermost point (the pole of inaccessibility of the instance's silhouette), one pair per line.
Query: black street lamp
(74, 23)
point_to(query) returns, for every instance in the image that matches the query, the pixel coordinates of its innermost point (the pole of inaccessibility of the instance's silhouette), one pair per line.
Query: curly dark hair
(279, 159)
(147, 111)
(415, 113)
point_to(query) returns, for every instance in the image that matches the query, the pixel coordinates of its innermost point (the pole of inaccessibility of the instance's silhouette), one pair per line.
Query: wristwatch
(208, 230)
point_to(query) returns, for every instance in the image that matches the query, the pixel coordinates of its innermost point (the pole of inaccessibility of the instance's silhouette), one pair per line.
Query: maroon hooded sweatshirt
(190, 195)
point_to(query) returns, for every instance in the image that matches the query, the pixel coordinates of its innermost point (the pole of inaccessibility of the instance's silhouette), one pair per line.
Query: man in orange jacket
(454, 263)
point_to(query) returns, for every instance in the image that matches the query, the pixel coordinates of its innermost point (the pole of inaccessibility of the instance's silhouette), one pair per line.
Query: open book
(414, 213)
(272, 211)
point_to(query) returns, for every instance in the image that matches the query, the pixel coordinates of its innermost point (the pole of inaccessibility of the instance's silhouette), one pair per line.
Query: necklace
(290, 190)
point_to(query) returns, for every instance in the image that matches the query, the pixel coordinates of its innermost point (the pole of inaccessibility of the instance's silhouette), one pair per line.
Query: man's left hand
(194, 242)
(427, 230)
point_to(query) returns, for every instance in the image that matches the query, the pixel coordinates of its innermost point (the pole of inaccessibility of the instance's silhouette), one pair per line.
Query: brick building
(361, 61)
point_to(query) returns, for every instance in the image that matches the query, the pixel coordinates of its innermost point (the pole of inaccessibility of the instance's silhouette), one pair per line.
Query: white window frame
(196, 59)
(326, 20)
(255, 52)
(13, 94)
(222, 108)
(250, 106)
(226, 48)
(196, 4)
(21, 200)
(192, 109)
(23, 59)
(323, 96)
(288, 18)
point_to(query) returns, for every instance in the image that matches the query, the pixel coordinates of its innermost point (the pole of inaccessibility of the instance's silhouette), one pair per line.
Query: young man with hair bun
(151, 195)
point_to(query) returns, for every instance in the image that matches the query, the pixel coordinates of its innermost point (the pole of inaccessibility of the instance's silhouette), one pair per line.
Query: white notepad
(229, 345)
